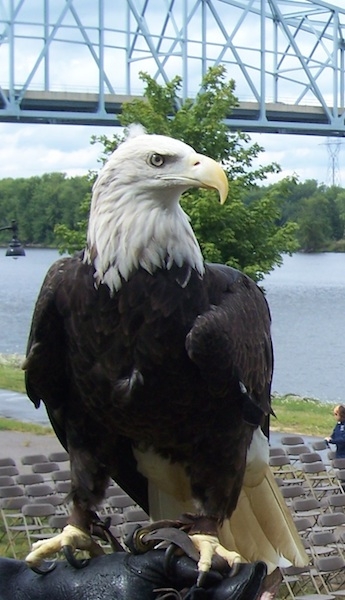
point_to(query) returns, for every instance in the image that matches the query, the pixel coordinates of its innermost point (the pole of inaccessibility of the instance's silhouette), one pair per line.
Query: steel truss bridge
(77, 61)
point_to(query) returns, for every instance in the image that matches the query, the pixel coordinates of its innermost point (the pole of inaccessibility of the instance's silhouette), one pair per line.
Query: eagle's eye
(156, 160)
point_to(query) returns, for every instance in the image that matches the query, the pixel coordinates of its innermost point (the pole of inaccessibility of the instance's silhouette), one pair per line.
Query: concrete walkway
(16, 443)
(18, 406)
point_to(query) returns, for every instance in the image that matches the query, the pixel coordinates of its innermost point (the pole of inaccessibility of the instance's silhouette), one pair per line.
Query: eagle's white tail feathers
(262, 524)
(261, 528)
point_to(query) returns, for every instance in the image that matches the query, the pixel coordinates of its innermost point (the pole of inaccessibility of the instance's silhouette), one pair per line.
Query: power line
(333, 171)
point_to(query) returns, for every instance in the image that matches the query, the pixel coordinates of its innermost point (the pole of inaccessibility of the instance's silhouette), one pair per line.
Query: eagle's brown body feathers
(155, 365)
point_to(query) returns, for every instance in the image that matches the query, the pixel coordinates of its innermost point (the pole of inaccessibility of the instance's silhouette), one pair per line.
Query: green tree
(340, 201)
(296, 192)
(15, 203)
(314, 226)
(71, 239)
(38, 203)
(248, 237)
(335, 217)
(318, 211)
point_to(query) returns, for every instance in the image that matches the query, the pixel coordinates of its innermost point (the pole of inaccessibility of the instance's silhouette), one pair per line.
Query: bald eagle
(155, 367)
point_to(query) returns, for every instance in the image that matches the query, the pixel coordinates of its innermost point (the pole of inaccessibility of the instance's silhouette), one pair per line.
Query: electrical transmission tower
(333, 148)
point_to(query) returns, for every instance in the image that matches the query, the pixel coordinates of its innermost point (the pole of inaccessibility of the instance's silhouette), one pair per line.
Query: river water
(20, 283)
(307, 300)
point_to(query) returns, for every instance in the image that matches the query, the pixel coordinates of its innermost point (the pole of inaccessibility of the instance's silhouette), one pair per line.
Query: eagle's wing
(66, 300)
(231, 345)
(231, 342)
(45, 364)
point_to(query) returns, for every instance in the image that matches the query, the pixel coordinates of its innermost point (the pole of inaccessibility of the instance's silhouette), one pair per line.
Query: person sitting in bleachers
(338, 434)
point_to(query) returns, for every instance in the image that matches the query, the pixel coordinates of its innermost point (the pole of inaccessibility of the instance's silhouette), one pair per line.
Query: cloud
(306, 156)
(28, 150)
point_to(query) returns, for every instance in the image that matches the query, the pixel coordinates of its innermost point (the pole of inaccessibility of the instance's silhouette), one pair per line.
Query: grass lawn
(13, 425)
(302, 415)
(12, 378)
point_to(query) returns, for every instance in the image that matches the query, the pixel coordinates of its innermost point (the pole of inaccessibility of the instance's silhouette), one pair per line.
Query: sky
(28, 150)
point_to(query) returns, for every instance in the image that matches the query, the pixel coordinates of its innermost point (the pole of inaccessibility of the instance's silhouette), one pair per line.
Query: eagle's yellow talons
(208, 546)
(70, 536)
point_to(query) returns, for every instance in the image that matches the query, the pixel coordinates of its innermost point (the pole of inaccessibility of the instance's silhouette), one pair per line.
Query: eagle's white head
(136, 219)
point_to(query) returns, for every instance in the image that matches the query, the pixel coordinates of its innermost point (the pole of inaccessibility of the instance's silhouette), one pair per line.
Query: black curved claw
(235, 569)
(201, 578)
(50, 566)
(102, 530)
(73, 561)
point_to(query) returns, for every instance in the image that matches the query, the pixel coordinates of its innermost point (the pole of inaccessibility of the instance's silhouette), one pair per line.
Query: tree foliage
(38, 203)
(318, 211)
(69, 239)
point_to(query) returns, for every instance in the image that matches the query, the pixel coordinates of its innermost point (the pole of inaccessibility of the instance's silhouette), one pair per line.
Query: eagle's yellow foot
(71, 537)
(208, 546)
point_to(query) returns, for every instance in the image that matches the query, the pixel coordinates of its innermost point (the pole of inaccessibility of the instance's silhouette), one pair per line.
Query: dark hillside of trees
(40, 203)
(318, 210)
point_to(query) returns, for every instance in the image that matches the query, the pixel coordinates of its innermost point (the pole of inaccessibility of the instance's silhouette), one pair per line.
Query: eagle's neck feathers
(126, 233)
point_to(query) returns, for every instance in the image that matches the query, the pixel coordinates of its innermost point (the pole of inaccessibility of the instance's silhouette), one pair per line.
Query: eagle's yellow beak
(212, 175)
